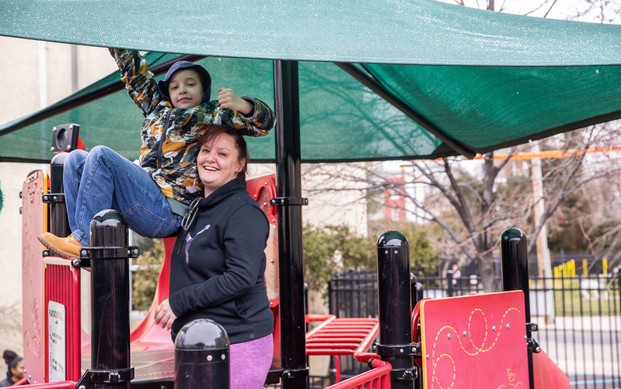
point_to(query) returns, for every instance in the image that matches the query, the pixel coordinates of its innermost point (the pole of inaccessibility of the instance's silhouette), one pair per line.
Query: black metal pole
(395, 309)
(108, 254)
(59, 222)
(292, 323)
(202, 358)
(515, 277)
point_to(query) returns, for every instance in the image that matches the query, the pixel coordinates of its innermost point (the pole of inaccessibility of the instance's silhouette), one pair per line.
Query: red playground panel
(474, 342)
(34, 222)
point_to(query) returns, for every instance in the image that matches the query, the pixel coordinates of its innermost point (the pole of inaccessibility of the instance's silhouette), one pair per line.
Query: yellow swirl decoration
(479, 349)
(454, 371)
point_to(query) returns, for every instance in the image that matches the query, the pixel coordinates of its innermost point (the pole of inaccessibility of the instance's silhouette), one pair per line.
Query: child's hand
(165, 315)
(228, 99)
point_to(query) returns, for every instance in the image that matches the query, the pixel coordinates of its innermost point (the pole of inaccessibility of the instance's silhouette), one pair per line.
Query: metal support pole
(395, 309)
(202, 358)
(293, 342)
(59, 222)
(515, 277)
(108, 258)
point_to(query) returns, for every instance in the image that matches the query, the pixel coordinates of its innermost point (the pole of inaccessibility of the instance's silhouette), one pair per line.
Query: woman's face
(218, 162)
(18, 371)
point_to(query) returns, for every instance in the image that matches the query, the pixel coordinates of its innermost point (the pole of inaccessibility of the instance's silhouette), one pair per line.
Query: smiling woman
(218, 262)
(222, 156)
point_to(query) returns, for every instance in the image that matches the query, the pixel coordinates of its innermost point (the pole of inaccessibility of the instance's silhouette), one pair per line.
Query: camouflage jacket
(172, 162)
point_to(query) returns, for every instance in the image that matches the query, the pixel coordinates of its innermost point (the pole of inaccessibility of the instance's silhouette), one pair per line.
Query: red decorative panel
(34, 223)
(475, 342)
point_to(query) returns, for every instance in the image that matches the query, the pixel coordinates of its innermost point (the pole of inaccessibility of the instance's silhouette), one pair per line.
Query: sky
(560, 9)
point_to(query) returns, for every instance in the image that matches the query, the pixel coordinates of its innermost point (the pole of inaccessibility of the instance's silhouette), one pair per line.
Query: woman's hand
(165, 315)
(228, 99)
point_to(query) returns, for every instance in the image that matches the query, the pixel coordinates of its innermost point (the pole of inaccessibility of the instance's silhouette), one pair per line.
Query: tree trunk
(488, 275)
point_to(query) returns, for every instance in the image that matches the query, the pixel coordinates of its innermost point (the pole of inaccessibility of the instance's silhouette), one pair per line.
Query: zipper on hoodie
(162, 139)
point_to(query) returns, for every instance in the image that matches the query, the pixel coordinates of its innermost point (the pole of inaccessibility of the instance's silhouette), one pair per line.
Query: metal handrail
(378, 377)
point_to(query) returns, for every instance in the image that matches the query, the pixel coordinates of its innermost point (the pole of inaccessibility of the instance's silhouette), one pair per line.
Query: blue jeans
(102, 179)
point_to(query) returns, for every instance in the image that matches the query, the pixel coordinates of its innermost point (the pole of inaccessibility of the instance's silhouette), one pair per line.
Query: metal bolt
(465, 333)
(413, 349)
(82, 387)
(264, 204)
(507, 326)
(396, 252)
(54, 198)
(271, 260)
(136, 251)
(494, 328)
(538, 349)
(209, 357)
(52, 149)
(68, 147)
(84, 252)
(526, 337)
(400, 350)
(223, 357)
(427, 356)
(449, 336)
(386, 252)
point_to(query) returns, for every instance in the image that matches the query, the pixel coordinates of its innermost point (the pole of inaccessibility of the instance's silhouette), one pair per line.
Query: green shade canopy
(518, 77)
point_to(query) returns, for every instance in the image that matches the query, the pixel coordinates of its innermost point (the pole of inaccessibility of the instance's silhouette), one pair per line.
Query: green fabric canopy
(519, 77)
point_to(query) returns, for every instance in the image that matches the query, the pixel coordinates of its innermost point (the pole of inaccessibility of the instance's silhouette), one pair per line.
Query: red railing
(52, 385)
(377, 378)
(337, 337)
(62, 285)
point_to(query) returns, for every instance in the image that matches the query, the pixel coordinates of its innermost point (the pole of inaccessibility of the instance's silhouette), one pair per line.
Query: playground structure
(441, 343)
(552, 61)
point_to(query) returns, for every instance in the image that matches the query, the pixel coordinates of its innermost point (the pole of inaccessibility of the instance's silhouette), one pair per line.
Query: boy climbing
(154, 196)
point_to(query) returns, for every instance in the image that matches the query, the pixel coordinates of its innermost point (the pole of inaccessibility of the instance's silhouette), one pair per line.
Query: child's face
(185, 89)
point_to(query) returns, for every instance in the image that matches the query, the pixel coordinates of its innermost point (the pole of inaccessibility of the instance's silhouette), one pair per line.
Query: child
(15, 365)
(154, 196)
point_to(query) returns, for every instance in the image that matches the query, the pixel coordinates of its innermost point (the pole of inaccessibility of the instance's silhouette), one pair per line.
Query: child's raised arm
(252, 116)
(139, 81)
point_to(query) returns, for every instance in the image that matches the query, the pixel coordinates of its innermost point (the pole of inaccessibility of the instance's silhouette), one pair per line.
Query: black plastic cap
(392, 239)
(108, 228)
(202, 334)
(512, 233)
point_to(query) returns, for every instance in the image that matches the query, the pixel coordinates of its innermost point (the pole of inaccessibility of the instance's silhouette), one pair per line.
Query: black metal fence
(579, 318)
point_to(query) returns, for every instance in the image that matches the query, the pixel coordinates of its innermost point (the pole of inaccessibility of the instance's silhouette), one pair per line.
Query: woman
(15, 366)
(218, 262)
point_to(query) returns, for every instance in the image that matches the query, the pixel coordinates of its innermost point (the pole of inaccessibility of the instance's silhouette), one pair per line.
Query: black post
(59, 222)
(108, 254)
(202, 359)
(395, 309)
(292, 323)
(515, 277)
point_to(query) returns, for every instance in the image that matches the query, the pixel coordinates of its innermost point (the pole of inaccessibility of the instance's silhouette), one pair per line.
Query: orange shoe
(67, 247)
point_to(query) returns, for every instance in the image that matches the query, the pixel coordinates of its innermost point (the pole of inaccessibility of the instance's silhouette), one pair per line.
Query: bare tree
(473, 211)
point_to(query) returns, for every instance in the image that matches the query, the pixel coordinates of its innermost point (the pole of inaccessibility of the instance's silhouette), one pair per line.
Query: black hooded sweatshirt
(217, 265)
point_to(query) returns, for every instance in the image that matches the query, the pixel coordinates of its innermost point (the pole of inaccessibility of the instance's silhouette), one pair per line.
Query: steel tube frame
(110, 341)
(395, 307)
(291, 268)
(514, 249)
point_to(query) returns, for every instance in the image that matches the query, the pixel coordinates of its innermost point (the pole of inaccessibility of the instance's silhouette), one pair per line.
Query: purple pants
(250, 362)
